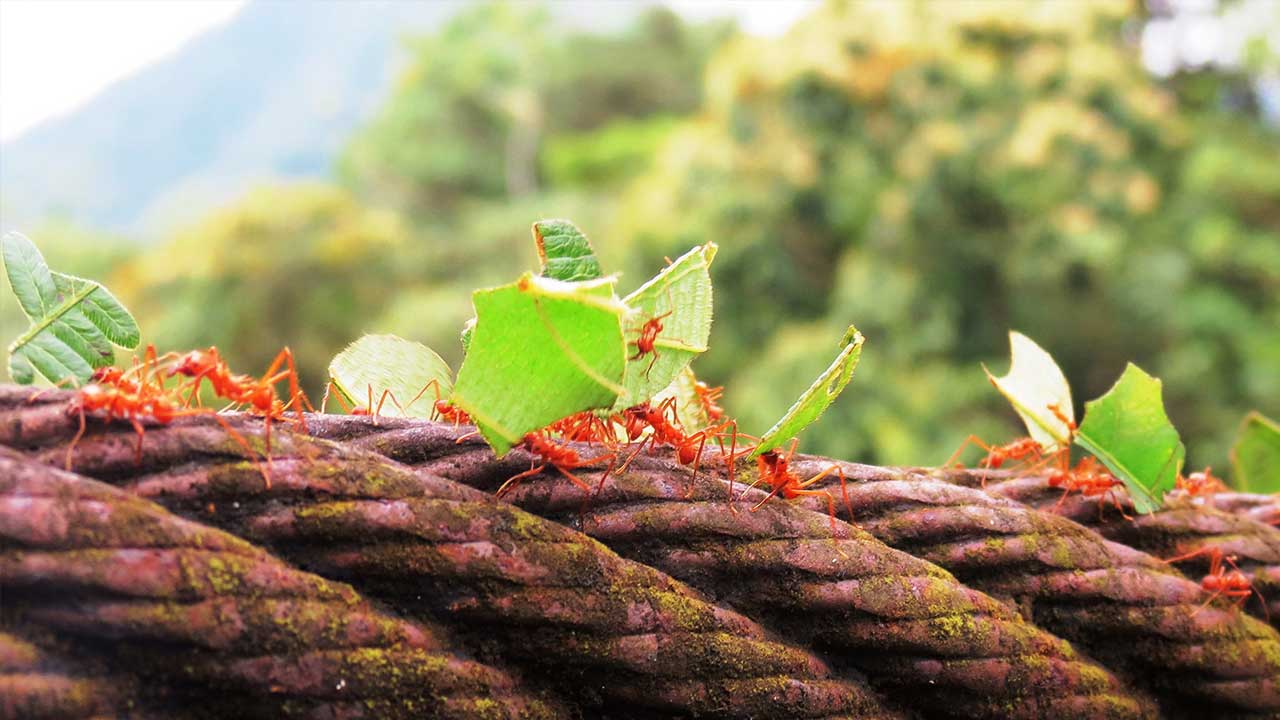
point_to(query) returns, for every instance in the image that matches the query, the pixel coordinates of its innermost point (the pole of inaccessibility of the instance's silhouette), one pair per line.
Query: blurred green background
(936, 173)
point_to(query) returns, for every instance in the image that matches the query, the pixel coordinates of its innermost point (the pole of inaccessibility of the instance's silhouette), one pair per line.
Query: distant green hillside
(272, 95)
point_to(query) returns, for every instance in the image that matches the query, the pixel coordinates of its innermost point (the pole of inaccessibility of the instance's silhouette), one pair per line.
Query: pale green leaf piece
(1255, 457)
(1127, 430)
(565, 252)
(679, 298)
(1035, 386)
(75, 323)
(814, 401)
(541, 350)
(375, 364)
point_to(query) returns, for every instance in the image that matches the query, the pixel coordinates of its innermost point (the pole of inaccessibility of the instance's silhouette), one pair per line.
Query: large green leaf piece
(75, 323)
(541, 350)
(814, 401)
(679, 297)
(1255, 457)
(375, 364)
(1035, 386)
(565, 252)
(1127, 430)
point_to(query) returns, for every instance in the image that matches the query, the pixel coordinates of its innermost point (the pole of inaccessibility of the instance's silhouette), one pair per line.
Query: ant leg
(137, 427)
(515, 479)
(76, 439)
(653, 360)
(1206, 550)
(324, 401)
(758, 505)
(295, 392)
(971, 440)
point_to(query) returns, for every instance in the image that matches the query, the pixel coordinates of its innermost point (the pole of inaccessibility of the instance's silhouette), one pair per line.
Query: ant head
(109, 374)
(192, 364)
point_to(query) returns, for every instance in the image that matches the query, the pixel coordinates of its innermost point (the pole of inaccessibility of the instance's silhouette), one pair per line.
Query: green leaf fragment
(541, 350)
(1127, 430)
(681, 293)
(375, 364)
(814, 401)
(1255, 457)
(565, 252)
(75, 323)
(1035, 386)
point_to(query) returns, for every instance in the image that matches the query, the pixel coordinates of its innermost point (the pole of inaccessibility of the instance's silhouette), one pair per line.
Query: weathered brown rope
(1185, 527)
(224, 624)
(1124, 606)
(909, 625)
(1263, 508)
(620, 634)
(41, 682)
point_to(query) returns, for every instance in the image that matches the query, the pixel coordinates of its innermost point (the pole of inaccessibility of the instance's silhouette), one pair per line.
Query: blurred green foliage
(935, 174)
(941, 177)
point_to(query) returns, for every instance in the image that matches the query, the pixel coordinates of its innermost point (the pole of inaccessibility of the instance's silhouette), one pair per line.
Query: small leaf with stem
(75, 323)
(814, 401)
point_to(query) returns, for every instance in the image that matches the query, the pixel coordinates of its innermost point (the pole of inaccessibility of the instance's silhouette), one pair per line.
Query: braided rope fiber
(230, 629)
(1187, 528)
(1128, 609)
(908, 624)
(620, 637)
(41, 681)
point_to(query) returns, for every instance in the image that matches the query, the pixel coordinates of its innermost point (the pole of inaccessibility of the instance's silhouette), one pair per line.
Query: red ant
(258, 394)
(1200, 484)
(1026, 450)
(644, 342)
(709, 398)
(586, 427)
(442, 409)
(665, 429)
(143, 401)
(775, 469)
(560, 457)
(1220, 581)
(1090, 480)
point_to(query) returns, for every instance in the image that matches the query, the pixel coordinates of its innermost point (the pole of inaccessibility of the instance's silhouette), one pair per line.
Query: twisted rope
(1185, 528)
(909, 625)
(625, 638)
(1127, 608)
(38, 682)
(226, 625)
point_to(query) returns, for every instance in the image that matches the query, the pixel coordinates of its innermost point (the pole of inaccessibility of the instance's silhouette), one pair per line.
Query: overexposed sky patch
(56, 54)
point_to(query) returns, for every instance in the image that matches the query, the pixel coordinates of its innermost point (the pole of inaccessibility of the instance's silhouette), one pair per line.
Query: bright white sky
(56, 54)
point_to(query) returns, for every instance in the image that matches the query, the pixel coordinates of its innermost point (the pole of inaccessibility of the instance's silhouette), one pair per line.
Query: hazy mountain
(271, 95)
